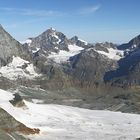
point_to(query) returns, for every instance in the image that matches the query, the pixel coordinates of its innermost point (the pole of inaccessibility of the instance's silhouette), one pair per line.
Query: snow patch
(63, 56)
(28, 41)
(74, 48)
(55, 36)
(36, 101)
(134, 46)
(83, 41)
(112, 54)
(36, 50)
(15, 69)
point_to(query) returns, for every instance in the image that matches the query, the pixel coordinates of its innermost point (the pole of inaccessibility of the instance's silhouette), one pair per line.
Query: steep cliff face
(89, 68)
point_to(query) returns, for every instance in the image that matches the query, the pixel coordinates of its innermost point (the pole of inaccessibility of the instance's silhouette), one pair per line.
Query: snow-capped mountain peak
(55, 45)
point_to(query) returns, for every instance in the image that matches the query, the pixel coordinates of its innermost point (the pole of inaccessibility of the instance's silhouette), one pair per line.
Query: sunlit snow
(58, 122)
(112, 54)
(83, 41)
(28, 41)
(15, 70)
(63, 56)
(35, 50)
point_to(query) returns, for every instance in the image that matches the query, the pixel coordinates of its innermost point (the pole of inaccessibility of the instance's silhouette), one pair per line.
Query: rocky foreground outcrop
(9, 127)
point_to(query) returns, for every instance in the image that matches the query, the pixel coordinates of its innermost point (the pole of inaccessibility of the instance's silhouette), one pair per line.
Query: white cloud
(29, 12)
(89, 10)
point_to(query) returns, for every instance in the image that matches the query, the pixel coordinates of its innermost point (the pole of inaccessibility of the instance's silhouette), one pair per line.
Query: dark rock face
(78, 42)
(132, 44)
(50, 40)
(89, 67)
(104, 46)
(127, 74)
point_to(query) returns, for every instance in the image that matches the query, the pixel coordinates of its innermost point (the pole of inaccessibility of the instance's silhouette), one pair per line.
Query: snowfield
(112, 53)
(15, 70)
(28, 41)
(58, 122)
(63, 56)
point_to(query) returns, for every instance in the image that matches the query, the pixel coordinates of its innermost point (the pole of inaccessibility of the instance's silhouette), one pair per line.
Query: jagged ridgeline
(53, 61)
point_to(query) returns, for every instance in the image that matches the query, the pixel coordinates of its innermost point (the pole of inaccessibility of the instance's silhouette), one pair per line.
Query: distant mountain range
(53, 62)
(85, 64)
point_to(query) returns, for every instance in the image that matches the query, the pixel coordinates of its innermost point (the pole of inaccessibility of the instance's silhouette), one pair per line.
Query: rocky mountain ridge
(54, 55)
(101, 71)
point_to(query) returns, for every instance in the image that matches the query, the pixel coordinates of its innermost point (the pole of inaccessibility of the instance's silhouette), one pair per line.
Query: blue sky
(92, 20)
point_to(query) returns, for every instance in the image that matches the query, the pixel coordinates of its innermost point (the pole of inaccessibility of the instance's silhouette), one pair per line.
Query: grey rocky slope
(89, 67)
(49, 40)
(9, 47)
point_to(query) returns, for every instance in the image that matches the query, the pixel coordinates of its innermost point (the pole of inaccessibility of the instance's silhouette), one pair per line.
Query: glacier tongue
(64, 122)
(63, 56)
